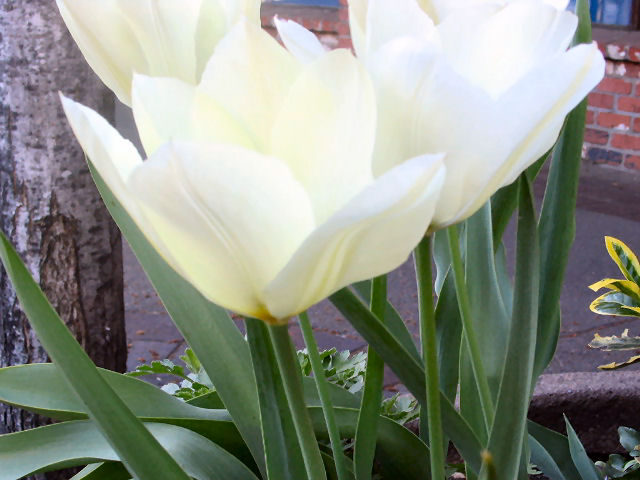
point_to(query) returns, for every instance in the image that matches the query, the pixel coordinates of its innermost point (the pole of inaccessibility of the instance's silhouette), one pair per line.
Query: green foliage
(622, 298)
(619, 466)
(341, 368)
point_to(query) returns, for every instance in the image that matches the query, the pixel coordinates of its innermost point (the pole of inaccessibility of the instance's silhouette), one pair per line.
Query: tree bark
(49, 206)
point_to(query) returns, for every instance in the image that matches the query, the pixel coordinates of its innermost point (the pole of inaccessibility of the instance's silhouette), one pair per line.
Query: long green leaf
(582, 462)
(557, 219)
(72, 444)
(283, 457)
(408, 371)
(140, 452)
(392, 319)
(41, 388)
(544, 461)
(556, 446)
(509, 427)
(207, 328)
(399, 453)
(103, 471)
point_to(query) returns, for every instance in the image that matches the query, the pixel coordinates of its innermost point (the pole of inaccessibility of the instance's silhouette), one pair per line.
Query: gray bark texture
(49, 206)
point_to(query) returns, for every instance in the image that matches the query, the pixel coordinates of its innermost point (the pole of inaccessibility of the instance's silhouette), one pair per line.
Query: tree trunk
(49, 206)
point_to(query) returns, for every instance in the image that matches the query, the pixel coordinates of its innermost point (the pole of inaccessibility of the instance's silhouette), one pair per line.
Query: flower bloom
(489, 85)
(172, 38)
(259, 187)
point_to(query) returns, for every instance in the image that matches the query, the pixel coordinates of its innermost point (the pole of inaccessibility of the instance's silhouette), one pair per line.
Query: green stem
(477, 366)
(323, 391)
(292, 380)
(367, 428)
(430, 356)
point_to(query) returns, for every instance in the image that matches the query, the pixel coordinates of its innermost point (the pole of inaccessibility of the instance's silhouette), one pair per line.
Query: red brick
(601, 100)
(591, 117)
(634, 54)
(597, 137)
(626, 142)
(614, 120)
(629, 104)
(632, 70)
(636, 125)
(632, 161)
(604, 156)
(615, 85)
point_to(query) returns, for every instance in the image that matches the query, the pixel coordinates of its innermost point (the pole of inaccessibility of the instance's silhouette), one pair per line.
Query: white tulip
(489, 86)
(259, 187)
(154, 37)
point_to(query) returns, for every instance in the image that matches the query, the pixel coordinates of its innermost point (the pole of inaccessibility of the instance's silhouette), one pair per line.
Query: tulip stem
(486, 402)
(323, 392)
(430, 357)
(292, 382)
(366, 438)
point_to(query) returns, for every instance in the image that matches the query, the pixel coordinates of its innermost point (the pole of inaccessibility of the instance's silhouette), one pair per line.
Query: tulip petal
(169, 109)
(226, 218)
(325, 131)
(373, 234)
(302, 43)
(114, 157)
(493, 48)
(388, 20)
(250, 75)
(108, 45)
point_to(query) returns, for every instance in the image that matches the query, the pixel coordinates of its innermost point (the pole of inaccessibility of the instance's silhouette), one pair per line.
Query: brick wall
(329, 23)
(612, 136)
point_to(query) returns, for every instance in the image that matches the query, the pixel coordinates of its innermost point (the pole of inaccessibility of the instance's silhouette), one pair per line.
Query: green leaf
(613, 343)
(579, 456)
(283, 457)
(629, 439)
(556, 446)
(557, 220)
(616, 303)
(138, 450)
(72, 444)
(624, 258)
(41, 388)
(544, 461)
(408, 370)
(489, 316)
(392, 319)
(509, 427)
(103, 471)
(207, 328)
(399, 453)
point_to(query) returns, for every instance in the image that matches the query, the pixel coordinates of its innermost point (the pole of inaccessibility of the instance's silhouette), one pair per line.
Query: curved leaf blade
(625, 259)
(72, 444)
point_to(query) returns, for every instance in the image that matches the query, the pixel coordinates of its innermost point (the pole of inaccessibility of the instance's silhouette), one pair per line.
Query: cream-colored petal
(302, 43)
(494, 48)
(250, 75)
(358, 25)
(325, 131)
(166, 33)
(106, 41)
(168, 109)
(113, 157)
(388, 20)
(373, 234)
(226, 218)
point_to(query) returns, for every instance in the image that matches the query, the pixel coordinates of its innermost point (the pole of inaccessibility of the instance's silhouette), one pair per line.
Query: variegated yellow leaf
(624, 258)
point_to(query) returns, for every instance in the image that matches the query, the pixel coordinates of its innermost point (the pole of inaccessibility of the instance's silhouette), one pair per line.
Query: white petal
(388, 20)
(107, 43)
(169, 109)
(325, 131)
(302, 43)
(226, 218)
(358, 25)
(494, 48)
(250, 75)
(370, 236)
(113, 156)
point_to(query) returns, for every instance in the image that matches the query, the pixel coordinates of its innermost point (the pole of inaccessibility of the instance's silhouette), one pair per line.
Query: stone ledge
(596, 404)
